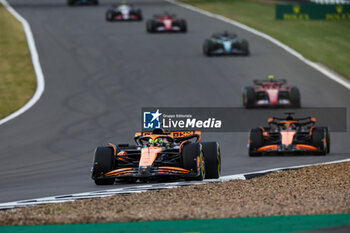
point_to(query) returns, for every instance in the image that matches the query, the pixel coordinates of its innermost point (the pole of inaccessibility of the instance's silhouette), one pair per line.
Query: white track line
(233, 177)
(326, 72)
(144, 188)
(36, 64)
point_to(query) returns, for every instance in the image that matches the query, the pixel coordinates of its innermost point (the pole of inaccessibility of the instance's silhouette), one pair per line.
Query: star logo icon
(156, 115)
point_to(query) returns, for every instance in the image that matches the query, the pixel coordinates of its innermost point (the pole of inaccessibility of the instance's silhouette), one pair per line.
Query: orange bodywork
(267, 148)
(173, 169)
(288, 122)
(305, 147)
(118, 171)
(287, 136)
(148, 155)
(114, 148)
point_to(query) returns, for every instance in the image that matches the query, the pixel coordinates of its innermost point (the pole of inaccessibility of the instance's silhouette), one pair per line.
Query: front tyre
(109, 15)
(139, 14)
(193, 160)
(70, 2)
(183, 25)
(245, 47)
(103, 162)
(295, 97)
(248, 97)
(212, 158)
(319, 139)
(150, 26)
(256, 140)
(207, 47)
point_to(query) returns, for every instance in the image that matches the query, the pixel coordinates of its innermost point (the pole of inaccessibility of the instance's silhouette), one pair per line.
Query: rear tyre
(295, 97)
(95, 2)
(248, 97)
(212, 158)
(245, 47)
(207, 47)
(193, 160)
(103, 162)
(256, 140)
(319, 139)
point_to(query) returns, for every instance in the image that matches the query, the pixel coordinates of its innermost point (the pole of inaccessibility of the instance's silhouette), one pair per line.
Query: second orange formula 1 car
(289, 135)
(158, 154)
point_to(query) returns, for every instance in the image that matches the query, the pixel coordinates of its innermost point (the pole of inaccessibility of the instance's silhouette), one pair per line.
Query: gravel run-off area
(319, 189)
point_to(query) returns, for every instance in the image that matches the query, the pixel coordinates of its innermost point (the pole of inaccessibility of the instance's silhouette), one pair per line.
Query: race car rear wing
(299, 121)
(174, 134)
(263, 81)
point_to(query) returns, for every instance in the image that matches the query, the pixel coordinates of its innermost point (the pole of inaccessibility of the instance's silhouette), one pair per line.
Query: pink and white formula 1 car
(123, 12)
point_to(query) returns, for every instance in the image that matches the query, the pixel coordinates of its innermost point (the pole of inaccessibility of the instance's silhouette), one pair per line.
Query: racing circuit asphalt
(98, 76)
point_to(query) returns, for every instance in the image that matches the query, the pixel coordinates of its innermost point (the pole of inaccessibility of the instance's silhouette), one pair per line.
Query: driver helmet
(271, 77)
(288, 126)
(158, 142)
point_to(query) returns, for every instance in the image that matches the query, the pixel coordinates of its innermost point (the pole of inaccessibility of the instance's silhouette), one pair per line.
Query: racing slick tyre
(150, 26)
(319, 139)
(245, 47)
(256, 140)
(207, 47)
(248, 97)
(70, 2)
(95, 2)
(328, 139)
(295, 97)
(103, 162)
(183, 25)
(139, 14)
(109, 15)
(212, 158)
(193, 159)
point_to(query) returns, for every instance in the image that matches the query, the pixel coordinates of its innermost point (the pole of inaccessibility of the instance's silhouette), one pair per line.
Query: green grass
(17, 77)
(327, 42)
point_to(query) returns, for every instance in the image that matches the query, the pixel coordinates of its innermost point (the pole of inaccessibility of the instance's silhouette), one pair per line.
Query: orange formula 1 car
(289, 135)
(158, 154)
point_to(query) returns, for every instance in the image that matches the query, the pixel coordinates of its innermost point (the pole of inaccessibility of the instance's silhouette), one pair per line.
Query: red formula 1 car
(166, 23)
(270, 93)
(158, 154)
(289, 136)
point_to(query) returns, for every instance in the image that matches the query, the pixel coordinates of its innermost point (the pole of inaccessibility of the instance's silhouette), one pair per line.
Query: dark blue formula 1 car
(225, 44)
(82, 2)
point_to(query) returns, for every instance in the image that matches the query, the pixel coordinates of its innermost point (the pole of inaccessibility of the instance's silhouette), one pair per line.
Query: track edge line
(35, 61)
(136, 189)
